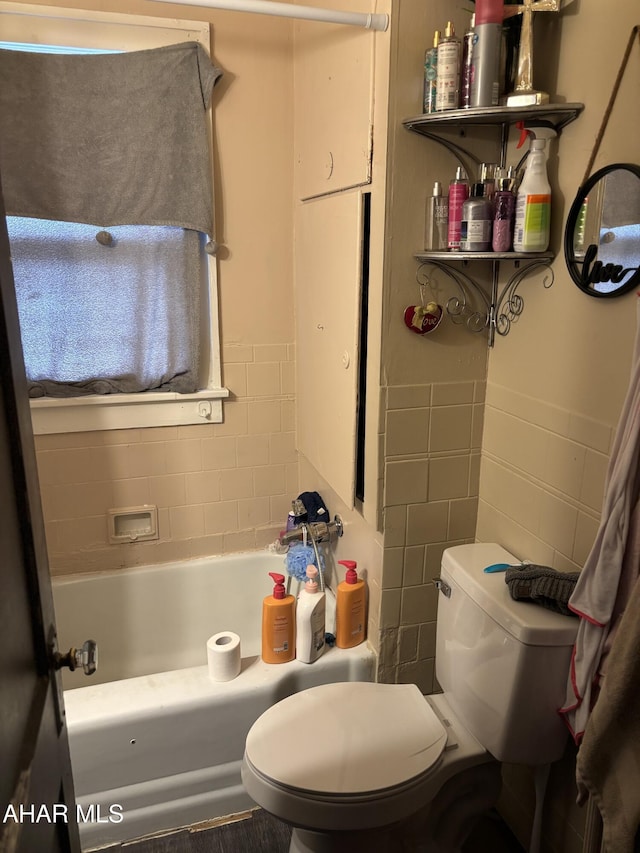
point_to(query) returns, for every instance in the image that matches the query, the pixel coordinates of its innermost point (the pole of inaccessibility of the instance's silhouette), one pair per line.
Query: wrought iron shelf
(483, 256)
(503, 305)
(560, 115)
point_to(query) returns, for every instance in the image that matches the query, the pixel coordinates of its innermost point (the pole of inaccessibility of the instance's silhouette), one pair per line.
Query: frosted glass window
(99, 319)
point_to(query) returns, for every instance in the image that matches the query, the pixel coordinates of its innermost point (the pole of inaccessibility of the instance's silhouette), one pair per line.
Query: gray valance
(108, 139)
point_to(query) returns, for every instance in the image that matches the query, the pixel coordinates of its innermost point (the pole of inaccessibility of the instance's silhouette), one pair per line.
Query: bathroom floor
(258, 832)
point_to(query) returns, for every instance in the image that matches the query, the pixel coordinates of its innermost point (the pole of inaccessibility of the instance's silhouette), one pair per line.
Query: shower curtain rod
(369, 21)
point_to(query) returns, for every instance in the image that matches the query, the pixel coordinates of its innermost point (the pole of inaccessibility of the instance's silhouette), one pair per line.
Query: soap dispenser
(278, 624)
(350, 608)
(310, 618)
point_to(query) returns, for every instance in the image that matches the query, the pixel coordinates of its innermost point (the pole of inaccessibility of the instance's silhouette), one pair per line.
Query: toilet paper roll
(223, 655)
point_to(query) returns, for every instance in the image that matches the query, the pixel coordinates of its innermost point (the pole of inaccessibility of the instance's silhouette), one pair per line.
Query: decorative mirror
(602, 235)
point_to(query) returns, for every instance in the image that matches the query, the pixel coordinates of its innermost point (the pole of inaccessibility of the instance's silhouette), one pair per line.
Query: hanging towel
(542, 585)
(608, 762)
(315, 507)
(108, 139)
(603, 585)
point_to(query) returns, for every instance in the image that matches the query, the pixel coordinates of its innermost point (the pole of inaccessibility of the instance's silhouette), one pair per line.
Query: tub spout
(317, 531)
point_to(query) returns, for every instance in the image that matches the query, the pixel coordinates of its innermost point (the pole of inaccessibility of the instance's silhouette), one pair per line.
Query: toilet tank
(502, 664)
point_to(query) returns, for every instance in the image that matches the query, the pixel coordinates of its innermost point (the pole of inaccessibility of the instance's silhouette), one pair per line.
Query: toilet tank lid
(527, 622)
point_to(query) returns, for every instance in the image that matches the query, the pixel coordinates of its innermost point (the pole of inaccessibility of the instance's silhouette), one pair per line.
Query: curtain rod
(367, 20)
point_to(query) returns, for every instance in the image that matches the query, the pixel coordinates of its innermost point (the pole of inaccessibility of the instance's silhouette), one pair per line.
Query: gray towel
(108, 139)
(542, 585)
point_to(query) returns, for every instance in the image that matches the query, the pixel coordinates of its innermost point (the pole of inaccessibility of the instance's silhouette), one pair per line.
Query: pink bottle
(458, 194)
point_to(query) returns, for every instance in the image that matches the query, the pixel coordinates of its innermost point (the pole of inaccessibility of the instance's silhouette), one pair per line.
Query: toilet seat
(331, 811)
(360, 739)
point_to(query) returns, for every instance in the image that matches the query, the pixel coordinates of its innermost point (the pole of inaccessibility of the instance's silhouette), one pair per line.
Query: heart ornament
(423, 319)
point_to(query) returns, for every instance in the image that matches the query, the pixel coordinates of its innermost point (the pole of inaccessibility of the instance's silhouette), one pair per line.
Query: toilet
(360, 766)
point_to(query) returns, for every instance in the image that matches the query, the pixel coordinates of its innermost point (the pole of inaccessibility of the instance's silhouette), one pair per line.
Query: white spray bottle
(533, 201)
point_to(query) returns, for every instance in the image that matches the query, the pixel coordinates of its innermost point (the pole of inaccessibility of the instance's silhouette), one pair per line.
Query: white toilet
(358, 766)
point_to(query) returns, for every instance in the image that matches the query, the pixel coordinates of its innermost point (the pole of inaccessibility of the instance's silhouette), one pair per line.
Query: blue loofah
(298, 558)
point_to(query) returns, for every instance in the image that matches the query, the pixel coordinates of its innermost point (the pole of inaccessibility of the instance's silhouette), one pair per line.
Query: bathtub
(155, 743)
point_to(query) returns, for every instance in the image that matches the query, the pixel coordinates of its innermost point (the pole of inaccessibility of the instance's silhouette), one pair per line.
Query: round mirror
(602, 235)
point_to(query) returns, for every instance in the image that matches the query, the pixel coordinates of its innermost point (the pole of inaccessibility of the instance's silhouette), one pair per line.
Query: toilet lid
(347, 738)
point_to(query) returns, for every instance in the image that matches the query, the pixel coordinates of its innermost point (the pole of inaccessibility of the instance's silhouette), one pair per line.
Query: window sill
(126, 411)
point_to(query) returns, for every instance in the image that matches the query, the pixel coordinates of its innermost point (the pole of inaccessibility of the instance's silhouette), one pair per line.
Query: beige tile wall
(219, 488)
(542, 478)
(541, 488)
(431, 458)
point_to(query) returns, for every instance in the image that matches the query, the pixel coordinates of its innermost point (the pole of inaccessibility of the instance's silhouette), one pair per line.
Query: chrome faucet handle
(320, 531)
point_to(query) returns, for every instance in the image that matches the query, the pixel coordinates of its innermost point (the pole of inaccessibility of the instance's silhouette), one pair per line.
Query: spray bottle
(533, 201)
(431, 75)
(449, 62)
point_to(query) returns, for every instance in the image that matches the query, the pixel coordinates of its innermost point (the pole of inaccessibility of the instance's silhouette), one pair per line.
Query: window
(86, 32)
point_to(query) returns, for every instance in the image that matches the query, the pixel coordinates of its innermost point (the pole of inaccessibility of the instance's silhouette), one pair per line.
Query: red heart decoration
(423, 319)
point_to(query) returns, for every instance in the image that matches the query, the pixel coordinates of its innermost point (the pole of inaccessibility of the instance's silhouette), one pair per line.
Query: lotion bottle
(458, 194)
(350, 608)
(477, 216)
(504, 207)
(310, 619)
(278, 624)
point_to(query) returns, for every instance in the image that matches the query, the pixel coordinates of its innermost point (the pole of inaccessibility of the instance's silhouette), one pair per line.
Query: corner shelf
(504, 305)
(560, 115)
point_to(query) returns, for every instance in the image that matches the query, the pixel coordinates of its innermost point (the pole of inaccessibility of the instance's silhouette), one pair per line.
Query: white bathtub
(155, 743)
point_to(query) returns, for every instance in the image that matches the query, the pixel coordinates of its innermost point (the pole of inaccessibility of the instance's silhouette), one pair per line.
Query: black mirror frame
(580, 271)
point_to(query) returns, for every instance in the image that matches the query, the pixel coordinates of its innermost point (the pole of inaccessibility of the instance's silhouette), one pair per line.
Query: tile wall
(541, 485)
(219, 488)
(542, 479)
(430, 450)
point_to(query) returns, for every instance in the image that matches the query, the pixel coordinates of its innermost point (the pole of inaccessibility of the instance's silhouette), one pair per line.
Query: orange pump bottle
(278, 624)
(350, 608)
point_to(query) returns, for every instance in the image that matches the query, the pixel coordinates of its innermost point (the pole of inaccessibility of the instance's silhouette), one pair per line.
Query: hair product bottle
(431, 75)
(448, 80)
(458, 194)
(533, 203)
(437, 220)
(310, 617)
(467, 64)
(504, 205)
(278, 624)
(350, 608)
(485, 76)
(477, 215)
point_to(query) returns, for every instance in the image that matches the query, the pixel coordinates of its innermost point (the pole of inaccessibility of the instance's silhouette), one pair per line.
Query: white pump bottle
(310, 619)
(533, 201)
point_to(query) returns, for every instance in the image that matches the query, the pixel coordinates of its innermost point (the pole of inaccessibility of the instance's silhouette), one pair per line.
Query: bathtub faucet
(317, 531)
